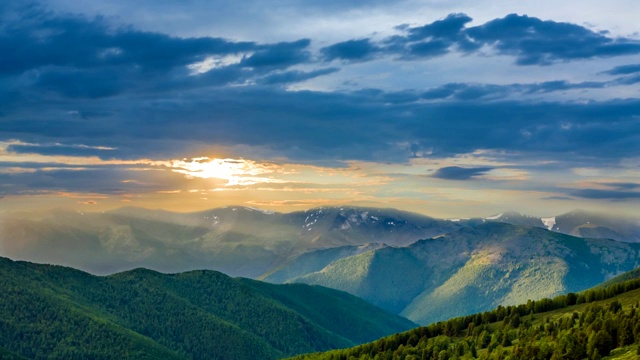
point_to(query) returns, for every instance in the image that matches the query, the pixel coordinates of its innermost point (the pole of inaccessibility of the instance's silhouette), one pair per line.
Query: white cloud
(214, 62)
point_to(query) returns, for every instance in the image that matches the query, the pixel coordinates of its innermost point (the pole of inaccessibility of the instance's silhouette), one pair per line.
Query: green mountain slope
(493, 263)
(629, 275)
(63, 313)
(313, 261)
(589, 325)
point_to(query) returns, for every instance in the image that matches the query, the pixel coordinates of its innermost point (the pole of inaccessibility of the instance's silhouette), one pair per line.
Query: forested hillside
(589, 325)
(62, 313)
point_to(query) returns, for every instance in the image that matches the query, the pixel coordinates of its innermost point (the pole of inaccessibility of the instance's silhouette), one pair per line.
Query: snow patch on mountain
(549, 222)
(494, 217)
(266, 212)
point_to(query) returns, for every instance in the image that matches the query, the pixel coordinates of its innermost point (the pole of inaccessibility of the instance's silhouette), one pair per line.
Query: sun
(234, 171)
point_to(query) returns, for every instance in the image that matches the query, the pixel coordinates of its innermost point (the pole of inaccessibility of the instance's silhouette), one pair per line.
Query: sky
(450, 109)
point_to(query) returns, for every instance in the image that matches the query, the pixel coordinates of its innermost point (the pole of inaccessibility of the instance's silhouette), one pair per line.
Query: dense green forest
(56, 312)
(589, 325)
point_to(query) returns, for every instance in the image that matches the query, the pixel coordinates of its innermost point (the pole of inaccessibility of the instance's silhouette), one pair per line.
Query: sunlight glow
(234, 171)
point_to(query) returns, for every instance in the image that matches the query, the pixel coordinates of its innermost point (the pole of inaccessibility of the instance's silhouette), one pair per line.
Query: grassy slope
(629, 275)
(628, 300)
(62, 312)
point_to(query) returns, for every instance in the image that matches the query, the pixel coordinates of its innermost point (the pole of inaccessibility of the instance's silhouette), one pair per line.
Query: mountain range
(58, 312)
(493, 263)
(577, 223)
(242, 241)
(409, 264)
(238, 241)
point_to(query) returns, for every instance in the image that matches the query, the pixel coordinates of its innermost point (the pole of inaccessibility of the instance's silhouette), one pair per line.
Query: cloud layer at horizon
(545, 108)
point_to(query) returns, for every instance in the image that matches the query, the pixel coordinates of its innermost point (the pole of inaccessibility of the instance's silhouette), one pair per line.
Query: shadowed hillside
(58, 312)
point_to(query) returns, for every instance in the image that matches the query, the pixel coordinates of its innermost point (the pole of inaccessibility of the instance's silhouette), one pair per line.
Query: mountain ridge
(236, 240)
(199, 314)
(494, 263)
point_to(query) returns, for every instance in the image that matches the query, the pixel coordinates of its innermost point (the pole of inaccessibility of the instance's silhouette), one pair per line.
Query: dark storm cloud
(351, 50)
(400, 97)
(462, 91)
(600, 194)
(295, 76)
(530, 40)
(57, 150)
(131, 91)
(536, 42)
(460, 173)
(30, 165)
(283, 54)
(624, 70)
(443, 91)
(561, 85)
(622, 185)
(92, 83)
(102, 179)
(43, 39)
(449, 28)
(557, 198)
(316, 125)
(431, 40)
(78, 57)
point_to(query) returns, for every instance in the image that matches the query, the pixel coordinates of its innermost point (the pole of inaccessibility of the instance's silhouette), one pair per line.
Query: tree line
(517, 332)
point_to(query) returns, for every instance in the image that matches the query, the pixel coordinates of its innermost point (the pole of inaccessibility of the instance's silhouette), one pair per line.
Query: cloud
(282, 54)
(294, 76)
(464, 91)
(308, 125)
(530, 40)
(460, 173)
(76, 83)
(536, 42)
(47, 54)
(59, 149)
(351, 50)
(600, 194)
(126, 93)
(431, 40)
(449, 28)
(624, 70)
(443, 91)
(401, 97)
(36, 41)
(101, 179)
(621, 185)
(558, 198)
